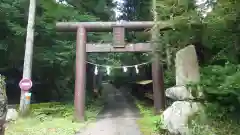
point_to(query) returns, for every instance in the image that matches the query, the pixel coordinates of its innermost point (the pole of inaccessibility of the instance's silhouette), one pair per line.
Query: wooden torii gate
(118, 45)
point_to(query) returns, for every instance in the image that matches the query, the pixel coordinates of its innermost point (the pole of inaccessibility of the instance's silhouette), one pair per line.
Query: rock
(187, 68)
(179, 93)
(183, 93)
(175, 117)
(3, 104)
(12, 115)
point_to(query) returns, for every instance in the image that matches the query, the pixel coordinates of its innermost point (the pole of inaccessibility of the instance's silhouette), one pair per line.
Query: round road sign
(25, 84)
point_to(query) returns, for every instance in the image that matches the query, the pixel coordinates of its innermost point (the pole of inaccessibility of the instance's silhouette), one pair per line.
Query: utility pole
(27, 68)
(157, 68)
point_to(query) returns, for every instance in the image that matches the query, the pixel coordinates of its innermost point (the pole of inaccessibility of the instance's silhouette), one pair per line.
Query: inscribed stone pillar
(187, 68)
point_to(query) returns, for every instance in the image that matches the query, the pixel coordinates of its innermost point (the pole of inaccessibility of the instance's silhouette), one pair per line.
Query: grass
(147, 122)
(215, 121)
(203, 123)
(52, 119)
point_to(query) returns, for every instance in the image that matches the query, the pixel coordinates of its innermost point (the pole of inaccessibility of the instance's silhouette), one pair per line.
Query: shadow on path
(118, 116)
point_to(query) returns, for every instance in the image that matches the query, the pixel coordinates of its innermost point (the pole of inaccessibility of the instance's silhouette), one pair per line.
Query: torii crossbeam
(118, 45)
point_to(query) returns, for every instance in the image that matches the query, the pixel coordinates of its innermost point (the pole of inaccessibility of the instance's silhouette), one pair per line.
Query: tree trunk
(27, 68)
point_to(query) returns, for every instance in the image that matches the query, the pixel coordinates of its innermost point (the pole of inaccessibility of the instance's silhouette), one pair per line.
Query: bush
(214, 120)
(169, 78)
(221, 84)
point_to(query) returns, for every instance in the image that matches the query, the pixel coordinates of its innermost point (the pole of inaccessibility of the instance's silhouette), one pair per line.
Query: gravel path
(118, 117)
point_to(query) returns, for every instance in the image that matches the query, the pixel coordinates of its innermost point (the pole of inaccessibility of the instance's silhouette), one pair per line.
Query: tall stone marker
(187, 69)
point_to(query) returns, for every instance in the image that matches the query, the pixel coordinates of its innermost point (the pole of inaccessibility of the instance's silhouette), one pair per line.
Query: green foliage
(136, 10)
(150, 123)
(214, 120)
(221, 84)
(47, 111)
(100, 8)
(169, 78)
(215, 36)
(54, 52)
(52, 119)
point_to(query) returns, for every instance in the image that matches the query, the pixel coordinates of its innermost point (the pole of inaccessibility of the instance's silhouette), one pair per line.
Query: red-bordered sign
(25, 84)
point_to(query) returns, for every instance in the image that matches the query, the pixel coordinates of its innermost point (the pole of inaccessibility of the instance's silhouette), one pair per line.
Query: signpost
(25, 84)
